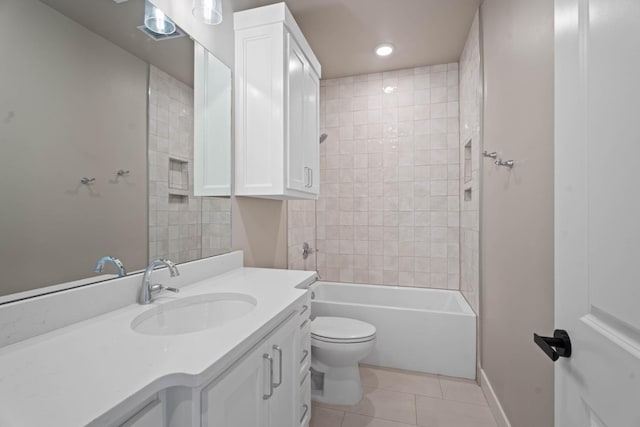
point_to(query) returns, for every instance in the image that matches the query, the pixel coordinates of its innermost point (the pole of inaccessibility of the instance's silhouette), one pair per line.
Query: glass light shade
(208, 11)
(156, 21)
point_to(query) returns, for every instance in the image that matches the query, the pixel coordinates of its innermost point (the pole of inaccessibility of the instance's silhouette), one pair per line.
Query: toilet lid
(341, 328)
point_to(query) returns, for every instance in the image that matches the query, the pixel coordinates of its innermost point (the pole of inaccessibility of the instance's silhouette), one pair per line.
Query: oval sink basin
(193, 314)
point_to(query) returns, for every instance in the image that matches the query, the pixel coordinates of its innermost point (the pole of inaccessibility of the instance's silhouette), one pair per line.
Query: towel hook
(506, 163)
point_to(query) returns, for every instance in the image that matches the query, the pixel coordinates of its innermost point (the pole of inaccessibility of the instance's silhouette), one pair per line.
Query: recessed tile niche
(178, 177)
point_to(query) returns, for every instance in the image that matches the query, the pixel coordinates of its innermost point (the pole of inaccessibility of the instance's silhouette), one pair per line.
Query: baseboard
(492, 400)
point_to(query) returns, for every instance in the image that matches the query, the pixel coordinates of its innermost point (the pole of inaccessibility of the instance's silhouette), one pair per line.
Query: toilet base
(341, 385)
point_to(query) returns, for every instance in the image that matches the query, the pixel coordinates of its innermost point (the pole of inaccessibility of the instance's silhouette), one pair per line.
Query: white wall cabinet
(277, 86)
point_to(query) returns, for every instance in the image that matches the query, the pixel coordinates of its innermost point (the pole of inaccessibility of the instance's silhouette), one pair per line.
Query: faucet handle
(159, 288)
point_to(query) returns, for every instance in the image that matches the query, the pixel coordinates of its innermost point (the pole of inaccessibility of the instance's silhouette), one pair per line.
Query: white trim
(492, 400)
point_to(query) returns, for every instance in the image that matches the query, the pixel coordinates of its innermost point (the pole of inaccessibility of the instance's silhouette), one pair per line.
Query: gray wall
(517, 207)
(72, 105)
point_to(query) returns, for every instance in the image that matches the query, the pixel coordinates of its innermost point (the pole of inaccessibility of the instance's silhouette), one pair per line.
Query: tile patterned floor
(394, 398)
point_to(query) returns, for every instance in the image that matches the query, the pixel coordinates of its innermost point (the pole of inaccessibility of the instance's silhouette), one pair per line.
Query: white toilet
(337, 345)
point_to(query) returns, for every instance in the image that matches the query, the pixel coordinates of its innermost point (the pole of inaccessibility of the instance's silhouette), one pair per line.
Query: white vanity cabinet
(263, 389)
(266, 386)
(277, 107)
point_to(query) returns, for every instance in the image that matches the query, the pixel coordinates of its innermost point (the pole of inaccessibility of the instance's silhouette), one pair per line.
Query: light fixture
(389, 89)
(155, 20)
(208, 11)
(384, 49)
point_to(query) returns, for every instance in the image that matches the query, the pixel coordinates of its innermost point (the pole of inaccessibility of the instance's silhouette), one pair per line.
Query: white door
(597, 189)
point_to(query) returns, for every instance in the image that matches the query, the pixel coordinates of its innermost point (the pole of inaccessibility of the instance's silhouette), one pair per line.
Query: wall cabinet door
(212, 125)
(311, 126)
(237, 399)
(303, 124)
(298, 176)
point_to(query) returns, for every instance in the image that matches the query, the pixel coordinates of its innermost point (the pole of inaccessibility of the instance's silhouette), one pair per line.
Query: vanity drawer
(304, 412)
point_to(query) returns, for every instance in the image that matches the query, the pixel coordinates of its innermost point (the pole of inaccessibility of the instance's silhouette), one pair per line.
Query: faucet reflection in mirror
(147, 290)
(115, 261)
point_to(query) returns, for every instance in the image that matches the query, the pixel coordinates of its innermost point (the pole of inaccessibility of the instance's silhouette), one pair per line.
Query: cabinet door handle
(270, 360)
(279, 350)
(305, 354)
(311, 179)
(304, 414)
(306, 177)
(304, 309)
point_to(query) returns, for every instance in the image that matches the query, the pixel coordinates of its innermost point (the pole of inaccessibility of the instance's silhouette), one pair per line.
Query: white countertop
(74, 375)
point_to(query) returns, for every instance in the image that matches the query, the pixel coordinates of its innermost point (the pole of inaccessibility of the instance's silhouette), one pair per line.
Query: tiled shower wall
(388, 212)
(181, 227)
(470, 158)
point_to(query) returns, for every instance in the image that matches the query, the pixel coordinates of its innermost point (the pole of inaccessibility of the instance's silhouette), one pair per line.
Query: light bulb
(384, 49)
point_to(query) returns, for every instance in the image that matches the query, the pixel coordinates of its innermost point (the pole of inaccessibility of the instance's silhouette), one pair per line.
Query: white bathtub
(425, 330)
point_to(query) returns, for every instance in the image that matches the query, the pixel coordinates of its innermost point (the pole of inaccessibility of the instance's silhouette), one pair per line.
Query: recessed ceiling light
(384, 49)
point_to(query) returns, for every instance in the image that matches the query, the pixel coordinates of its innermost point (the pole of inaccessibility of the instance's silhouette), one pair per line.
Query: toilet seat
(341, 330)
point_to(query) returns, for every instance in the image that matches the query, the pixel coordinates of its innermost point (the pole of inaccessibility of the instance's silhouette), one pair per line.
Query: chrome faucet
(113, 260)
(147, 290)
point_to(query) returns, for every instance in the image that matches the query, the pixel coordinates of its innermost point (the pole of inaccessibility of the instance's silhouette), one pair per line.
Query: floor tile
(462, 391)
(446, 413)
(402, 381)
(385, 404)
(355, 420)
(324, 417)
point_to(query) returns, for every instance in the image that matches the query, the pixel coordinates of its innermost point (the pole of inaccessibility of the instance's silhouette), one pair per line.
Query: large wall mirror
(97, 140)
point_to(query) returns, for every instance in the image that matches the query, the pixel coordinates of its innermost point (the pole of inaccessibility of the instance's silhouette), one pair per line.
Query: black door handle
(556, 347)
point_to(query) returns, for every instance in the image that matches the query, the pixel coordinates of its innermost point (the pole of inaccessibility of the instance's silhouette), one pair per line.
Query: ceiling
(344, 33)
(117, 23)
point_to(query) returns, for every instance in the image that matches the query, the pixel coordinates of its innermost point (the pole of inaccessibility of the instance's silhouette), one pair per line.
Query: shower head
(323, 137)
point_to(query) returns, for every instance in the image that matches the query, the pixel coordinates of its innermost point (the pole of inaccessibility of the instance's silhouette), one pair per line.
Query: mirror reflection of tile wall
(181, 227)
